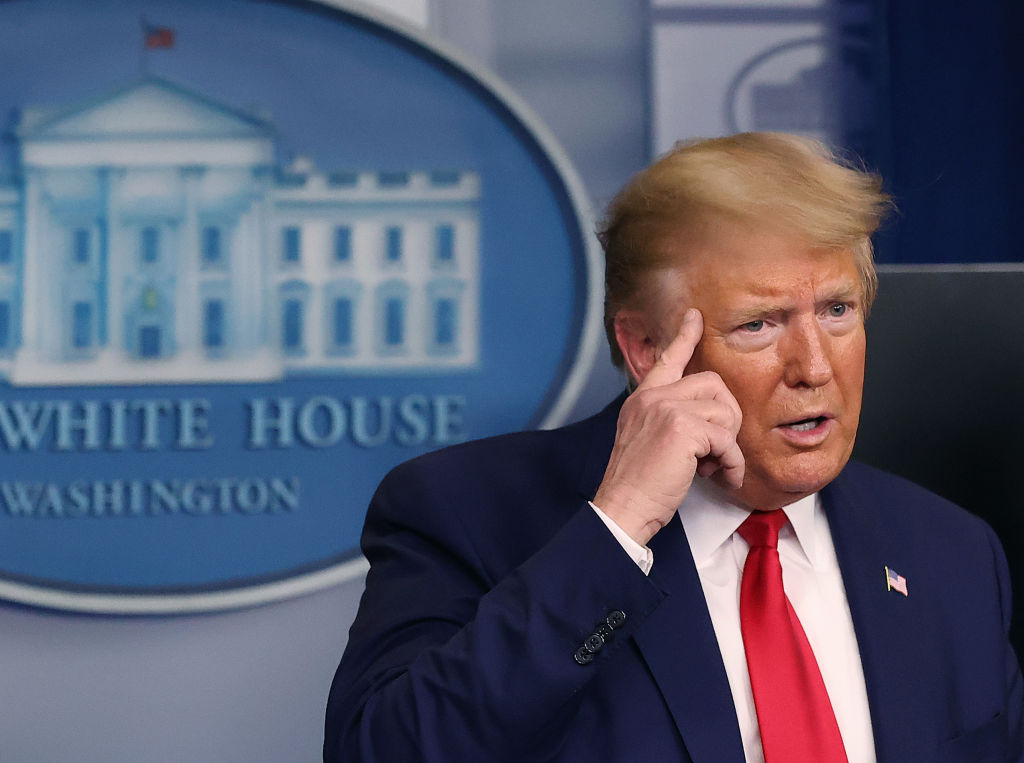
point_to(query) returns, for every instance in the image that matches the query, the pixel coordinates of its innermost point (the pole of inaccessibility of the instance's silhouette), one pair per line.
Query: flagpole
(143, 60)
(153, 37)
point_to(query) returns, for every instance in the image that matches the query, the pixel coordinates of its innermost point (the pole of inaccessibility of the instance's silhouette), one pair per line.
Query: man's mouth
(806, 425)
(807, 432)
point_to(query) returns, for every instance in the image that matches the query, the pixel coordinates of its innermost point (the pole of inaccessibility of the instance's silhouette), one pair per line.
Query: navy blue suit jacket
(489, 569)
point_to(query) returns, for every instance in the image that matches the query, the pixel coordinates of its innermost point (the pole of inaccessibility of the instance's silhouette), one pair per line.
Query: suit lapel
(678, 644)
(888, 625)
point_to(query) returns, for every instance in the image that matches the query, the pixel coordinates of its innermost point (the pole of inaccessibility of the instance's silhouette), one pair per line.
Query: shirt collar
(709, 520)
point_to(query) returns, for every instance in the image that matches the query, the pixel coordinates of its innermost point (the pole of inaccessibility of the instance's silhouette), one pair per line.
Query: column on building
(186, 316)
(112, 275)
(42, 301)
(250, 267)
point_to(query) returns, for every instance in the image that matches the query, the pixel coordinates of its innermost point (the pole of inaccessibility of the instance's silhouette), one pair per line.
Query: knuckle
(662, 409)
(708, 377)
(641, 398)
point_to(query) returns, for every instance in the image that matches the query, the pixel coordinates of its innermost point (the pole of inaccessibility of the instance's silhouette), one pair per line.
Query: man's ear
(634, 335)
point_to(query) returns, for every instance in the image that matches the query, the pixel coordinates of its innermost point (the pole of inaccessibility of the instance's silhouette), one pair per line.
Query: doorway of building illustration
(149, 322)
(149, 342)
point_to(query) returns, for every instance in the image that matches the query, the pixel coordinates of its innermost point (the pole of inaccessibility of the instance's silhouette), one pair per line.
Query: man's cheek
(750, 440)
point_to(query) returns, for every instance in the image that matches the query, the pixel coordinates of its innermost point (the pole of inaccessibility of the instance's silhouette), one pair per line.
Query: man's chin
(773, 491)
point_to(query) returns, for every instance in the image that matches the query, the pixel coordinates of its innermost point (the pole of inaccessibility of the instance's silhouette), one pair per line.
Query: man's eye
(838, 310)
(753, 326)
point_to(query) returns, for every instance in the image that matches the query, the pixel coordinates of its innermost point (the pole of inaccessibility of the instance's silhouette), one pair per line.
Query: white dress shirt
(814, 585)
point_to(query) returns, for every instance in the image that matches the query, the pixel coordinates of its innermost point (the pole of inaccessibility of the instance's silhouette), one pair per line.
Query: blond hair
(769, 179)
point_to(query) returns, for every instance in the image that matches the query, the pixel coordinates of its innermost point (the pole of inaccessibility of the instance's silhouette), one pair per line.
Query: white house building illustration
(147, 236)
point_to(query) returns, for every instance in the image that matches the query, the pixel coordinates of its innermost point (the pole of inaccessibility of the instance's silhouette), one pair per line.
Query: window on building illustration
(213, 324)
(292, 243)
(393, 245)
(342, 243)
(445, 177)
(342, 323)
(445, 322)
(292, 325)
(445, 332)
(394, 321)
(392, 330)
(80, 244)
(6, 246)
(341, 316)
(81, 325)
(150, 244)
(211, 245)
(345, 179)
(391, 179)
(5, 326)
(445, 243)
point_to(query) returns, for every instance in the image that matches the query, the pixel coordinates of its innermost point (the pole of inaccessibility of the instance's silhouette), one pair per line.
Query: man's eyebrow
(759, 311)
(843, 292)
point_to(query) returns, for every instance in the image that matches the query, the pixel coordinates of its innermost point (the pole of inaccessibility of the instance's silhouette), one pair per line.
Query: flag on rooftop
(155, 37)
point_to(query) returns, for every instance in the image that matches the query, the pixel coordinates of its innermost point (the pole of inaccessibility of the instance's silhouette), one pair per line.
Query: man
(612, 590)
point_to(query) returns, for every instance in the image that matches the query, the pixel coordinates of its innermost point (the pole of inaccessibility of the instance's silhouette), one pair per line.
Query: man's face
(784, 328)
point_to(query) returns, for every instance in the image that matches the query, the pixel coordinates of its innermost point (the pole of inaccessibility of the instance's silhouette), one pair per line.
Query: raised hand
(671, 428)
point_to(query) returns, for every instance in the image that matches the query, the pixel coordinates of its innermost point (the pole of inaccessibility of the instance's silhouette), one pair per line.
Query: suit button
(603, 630)
(583, 657)
(615, 618)
(593, 643)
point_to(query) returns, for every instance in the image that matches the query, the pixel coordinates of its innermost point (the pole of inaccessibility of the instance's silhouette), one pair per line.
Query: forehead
(739, 264)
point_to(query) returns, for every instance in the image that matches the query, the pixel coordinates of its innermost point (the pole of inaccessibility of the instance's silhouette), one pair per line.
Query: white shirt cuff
(642, 555)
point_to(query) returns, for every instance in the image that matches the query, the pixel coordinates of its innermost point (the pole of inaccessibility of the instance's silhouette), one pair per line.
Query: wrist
(626, 514)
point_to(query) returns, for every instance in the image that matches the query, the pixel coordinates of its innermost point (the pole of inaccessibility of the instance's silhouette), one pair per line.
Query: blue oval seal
(252, 255)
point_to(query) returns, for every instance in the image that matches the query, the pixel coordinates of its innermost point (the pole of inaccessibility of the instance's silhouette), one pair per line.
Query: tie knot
(761, 528)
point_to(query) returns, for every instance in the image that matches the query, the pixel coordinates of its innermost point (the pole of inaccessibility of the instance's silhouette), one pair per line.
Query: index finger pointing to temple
(669, 366)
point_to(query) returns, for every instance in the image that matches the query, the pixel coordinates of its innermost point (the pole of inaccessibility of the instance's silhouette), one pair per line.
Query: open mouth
(806, 425)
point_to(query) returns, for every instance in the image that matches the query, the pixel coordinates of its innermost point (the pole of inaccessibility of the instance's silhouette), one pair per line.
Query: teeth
(806, 426)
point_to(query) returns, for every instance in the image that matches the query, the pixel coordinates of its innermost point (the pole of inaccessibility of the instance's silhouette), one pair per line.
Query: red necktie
(793, 709)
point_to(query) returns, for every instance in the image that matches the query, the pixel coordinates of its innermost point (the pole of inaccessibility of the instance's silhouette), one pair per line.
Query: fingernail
(691, 315)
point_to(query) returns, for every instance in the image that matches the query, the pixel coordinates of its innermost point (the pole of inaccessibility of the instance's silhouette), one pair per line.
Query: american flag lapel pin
(895, 581)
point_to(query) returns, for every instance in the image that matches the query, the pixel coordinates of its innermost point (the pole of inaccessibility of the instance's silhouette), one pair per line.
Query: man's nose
(806, 354)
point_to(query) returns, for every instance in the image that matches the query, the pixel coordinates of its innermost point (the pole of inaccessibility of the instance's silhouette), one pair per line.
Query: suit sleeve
(451, 656)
